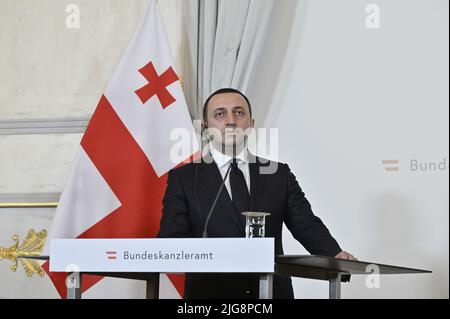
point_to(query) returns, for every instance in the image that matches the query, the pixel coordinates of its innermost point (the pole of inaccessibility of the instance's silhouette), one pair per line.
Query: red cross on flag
(118, 177)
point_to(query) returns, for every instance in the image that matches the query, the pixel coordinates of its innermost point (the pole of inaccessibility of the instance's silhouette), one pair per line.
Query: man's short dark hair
(221, 91)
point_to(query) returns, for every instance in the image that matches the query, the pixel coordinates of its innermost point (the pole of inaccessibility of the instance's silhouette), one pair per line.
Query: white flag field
(118, 178)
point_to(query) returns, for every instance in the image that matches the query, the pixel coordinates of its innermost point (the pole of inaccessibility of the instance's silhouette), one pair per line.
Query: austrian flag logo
(111, 255)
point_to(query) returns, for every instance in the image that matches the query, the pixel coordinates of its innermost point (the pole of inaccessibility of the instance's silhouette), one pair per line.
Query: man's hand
(345, 255)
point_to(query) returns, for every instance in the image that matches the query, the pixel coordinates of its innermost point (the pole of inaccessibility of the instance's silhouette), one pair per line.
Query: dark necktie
(239, 190)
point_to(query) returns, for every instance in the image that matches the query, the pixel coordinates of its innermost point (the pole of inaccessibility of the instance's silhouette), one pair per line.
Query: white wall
(344, 98)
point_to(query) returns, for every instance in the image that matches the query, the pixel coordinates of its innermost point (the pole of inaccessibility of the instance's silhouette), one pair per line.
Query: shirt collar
(223, 159)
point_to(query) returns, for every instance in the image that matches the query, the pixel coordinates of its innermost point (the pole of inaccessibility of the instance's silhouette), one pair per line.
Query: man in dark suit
(253, 184)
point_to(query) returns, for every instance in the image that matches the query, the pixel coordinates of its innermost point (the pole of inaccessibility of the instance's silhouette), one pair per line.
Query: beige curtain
(224, 40)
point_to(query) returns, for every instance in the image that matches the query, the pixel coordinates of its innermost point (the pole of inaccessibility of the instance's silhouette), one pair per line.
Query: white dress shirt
(223, 161)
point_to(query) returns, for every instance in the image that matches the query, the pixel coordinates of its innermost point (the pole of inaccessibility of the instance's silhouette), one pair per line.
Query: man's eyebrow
(221, 109)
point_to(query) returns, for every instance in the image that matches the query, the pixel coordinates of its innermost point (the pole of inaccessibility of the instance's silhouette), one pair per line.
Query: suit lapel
(257, 182)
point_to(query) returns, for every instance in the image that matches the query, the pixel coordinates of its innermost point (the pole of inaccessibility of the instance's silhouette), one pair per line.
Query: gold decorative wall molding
(18, 205)
(29, 200)
(31, 247)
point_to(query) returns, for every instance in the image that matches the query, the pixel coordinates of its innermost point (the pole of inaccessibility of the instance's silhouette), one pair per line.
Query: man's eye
(240, 113)
(219, 114)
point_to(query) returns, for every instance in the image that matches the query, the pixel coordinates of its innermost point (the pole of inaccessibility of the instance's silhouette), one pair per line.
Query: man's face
(228, 119)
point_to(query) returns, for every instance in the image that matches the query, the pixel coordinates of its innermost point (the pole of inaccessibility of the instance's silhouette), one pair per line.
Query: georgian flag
(118, 177)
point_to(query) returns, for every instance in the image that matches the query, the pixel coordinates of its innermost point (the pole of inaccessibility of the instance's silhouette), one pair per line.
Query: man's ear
(252, 123)
(204, 137)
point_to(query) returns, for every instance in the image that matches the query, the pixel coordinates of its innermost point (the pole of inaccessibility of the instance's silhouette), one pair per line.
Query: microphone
(205, 232)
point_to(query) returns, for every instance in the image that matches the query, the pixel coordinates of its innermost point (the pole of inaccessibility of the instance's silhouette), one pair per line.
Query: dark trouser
(233, 286)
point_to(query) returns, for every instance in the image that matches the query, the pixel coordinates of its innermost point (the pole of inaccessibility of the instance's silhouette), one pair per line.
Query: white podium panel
(215, 255)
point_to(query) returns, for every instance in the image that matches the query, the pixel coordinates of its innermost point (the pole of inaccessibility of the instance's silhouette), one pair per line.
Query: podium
(107, 257)
(145, 259)
(333, 270)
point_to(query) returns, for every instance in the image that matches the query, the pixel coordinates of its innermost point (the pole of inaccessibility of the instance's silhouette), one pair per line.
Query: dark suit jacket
(189, 196)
